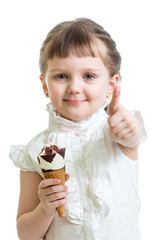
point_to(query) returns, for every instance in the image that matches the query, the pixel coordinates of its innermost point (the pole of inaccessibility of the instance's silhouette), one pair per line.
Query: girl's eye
(89, 76)
(61, 76)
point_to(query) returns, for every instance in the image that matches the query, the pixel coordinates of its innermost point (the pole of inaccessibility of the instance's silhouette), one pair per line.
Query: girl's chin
(75, 117)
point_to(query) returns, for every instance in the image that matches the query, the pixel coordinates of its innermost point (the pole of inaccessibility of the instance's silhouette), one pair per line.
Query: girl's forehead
(94, 49)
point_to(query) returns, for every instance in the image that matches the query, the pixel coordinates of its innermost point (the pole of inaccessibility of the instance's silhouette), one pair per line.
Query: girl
(80, 69)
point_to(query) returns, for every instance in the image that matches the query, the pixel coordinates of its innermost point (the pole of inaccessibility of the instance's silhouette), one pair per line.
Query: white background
(135, 26)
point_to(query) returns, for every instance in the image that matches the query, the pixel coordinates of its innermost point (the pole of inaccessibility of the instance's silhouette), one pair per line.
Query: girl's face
(77, 86)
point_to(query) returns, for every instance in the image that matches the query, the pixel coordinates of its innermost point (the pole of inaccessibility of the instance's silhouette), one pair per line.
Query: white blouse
(103, 200)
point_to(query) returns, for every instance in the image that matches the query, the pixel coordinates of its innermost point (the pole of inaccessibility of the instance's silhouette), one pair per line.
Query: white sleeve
(20, 158)
(138, 115)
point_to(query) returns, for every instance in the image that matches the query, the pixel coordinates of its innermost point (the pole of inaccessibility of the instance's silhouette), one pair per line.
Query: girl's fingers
(60, 202)
(51, 194)
(67, 177)
(49, 182)
(122, 134)
(53, 189)
(56, 196)
(50, 206)
(118, 128)
(127, 136)
(115, 120)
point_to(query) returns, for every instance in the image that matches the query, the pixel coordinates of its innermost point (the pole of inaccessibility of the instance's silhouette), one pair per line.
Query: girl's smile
(77, 86)
(74, 101)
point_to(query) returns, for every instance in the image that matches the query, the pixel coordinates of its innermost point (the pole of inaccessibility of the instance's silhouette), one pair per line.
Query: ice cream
(51, 160)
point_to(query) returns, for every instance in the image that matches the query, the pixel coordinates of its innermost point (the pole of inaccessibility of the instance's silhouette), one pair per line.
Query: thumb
(67, 177)
(112, 107)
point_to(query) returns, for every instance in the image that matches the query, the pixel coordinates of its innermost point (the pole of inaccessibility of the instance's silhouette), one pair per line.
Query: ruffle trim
(88, 195)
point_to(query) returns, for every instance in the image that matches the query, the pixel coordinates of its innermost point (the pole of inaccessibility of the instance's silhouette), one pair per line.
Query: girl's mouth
(74, 101)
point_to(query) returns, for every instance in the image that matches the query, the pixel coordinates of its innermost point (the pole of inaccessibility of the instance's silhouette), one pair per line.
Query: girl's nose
(74, 86)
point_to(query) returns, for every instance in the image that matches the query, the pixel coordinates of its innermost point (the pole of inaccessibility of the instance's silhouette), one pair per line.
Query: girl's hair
(80, 37)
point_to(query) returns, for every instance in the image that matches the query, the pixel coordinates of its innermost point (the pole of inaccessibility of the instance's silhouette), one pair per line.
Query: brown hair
(81, 37)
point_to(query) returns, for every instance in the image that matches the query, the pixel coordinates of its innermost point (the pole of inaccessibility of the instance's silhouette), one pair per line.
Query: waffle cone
(60, 174)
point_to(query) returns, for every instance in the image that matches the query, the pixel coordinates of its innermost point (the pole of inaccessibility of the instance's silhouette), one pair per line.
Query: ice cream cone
(60, 174)
(52, 163)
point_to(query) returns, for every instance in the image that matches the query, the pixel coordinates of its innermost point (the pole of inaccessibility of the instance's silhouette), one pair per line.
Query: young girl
(80, 67)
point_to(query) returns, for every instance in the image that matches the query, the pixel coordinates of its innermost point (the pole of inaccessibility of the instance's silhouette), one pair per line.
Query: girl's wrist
(46, 211)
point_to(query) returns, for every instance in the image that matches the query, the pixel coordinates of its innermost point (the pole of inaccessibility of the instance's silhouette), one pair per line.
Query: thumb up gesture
(124, 127)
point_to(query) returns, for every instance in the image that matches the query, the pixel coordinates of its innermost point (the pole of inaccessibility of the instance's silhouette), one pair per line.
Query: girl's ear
(44, 86)
(113, 82)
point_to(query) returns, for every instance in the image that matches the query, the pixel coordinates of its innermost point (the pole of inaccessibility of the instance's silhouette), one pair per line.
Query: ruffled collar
(56, 120)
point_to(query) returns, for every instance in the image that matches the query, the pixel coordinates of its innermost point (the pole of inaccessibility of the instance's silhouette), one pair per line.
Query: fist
(124, 128)
(52, 195)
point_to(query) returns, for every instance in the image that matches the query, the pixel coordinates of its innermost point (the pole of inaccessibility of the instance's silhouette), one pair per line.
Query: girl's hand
(124, 127)
(52, 195)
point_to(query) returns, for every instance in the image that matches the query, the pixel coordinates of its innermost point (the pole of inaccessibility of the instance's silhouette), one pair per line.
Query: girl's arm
(32, 221)
(34, 216)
